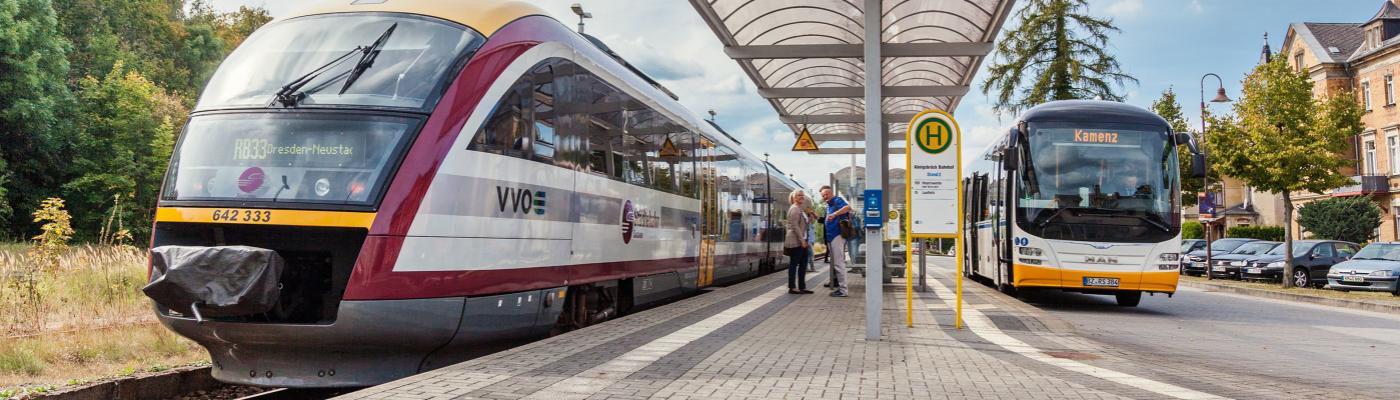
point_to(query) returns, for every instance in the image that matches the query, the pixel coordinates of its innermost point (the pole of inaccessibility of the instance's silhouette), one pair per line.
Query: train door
(709, 211)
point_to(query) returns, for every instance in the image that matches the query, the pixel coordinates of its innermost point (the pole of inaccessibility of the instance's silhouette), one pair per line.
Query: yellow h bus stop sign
(933, 186)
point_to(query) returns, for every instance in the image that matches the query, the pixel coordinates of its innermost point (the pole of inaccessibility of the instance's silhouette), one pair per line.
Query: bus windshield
(320, 158)
(1103, 183)
(406, 72)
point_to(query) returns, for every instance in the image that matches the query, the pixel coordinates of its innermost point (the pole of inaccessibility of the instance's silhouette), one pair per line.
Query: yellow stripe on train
(1152, 281)
(250, 216)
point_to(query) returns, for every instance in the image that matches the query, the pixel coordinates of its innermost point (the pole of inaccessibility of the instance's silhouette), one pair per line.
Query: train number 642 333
(242, 216)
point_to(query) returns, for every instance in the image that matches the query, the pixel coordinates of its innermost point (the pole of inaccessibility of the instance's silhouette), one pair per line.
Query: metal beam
(840, 118)
(874, 92)
(853, 150)
(839, 137)
(789, 51)
(857, 92)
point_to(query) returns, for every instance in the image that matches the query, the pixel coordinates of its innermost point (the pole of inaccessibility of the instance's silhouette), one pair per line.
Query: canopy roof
(805, 56)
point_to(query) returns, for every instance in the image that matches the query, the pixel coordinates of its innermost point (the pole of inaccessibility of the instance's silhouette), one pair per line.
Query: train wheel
(1128, 299)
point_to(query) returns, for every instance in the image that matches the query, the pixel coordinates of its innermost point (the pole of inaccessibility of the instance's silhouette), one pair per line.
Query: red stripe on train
(374, 278)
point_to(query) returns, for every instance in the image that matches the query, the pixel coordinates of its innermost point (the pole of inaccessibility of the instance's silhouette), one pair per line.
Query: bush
(1352, 219)
(1193, 230)
(1271, 233)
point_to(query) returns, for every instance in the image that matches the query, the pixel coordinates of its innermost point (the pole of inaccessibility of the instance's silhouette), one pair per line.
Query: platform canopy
(806, 57)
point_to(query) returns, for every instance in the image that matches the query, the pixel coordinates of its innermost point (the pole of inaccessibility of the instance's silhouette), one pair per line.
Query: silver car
(1375, 268)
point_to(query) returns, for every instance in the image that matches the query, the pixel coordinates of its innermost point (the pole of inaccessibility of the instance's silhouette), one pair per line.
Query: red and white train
(444, 177)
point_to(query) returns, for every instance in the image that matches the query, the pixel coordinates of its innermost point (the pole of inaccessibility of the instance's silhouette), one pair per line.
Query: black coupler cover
(226, 281)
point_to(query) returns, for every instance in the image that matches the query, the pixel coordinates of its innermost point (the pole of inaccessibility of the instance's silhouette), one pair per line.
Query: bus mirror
(1184, 139)
(1198, 165)
(1009, 157)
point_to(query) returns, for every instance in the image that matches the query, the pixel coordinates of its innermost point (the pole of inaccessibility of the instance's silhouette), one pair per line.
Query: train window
(685, 142)
(544, 113)
(507, 131)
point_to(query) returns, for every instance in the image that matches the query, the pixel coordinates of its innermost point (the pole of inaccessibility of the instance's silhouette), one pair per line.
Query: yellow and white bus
(1079, 196)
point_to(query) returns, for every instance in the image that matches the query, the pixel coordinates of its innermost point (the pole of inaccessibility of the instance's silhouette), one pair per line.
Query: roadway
(1224, 344)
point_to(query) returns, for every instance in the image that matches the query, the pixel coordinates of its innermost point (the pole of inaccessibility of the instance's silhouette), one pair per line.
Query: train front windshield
(404, 71)
(1098, 183)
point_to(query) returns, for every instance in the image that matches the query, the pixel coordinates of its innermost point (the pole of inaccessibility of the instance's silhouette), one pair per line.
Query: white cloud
(1122, 9)
(1196, 7)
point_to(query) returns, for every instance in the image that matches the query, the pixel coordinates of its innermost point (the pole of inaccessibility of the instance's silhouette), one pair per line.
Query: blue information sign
(874, 208)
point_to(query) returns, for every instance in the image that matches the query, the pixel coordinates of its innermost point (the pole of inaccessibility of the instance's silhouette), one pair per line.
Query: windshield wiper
(290, 94)
(367, 60)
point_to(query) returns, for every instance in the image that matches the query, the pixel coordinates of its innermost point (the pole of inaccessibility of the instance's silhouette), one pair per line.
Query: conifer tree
(1056, 52)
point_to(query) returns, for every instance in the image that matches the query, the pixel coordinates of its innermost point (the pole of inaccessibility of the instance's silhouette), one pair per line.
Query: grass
(77, 357)
(91, 321)
(93, 286)
(1381, 297)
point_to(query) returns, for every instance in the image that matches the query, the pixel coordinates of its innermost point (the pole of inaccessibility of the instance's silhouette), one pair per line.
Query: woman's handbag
(847, 231)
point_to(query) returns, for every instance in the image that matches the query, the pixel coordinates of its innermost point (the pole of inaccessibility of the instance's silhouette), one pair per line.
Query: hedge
(1272, 233)
(1192, 230)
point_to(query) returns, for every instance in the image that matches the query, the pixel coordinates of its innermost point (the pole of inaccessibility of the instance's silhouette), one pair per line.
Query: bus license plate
(1102, 282)
(1353, 278)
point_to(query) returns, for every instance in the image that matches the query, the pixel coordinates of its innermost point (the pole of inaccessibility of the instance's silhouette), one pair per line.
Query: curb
(166, 385)
(1354, 304)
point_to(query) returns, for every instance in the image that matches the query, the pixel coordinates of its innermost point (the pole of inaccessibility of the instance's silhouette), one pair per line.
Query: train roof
(485, 16)
(1092, 111)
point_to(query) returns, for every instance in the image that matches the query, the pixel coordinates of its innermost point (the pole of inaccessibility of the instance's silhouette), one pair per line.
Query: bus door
(709, 211)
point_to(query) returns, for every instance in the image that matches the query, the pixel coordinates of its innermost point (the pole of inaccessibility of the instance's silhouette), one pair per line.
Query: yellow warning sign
(805, 142)
(669, 149)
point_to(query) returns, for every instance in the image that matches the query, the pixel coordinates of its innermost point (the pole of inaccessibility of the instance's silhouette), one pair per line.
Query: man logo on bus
(934, 135)
(628, 217)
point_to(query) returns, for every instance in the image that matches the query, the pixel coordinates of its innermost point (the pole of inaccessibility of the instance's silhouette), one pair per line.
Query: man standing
(836, 211)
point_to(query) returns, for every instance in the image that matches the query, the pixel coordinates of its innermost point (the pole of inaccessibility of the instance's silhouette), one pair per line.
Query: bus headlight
(1030, 251)
(1170, 256)
(1024, 260)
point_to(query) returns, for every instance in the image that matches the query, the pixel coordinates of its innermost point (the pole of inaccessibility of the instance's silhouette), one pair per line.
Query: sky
(1163, 43)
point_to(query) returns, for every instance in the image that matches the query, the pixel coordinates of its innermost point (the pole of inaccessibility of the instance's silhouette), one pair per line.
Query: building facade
(1361, 59)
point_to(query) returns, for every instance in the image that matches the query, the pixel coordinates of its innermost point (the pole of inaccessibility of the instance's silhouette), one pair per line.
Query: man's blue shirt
(832, 229)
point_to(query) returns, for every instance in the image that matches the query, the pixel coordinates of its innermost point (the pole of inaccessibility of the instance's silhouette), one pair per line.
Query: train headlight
(1030, 251)
(1170, 256)
(323, 187)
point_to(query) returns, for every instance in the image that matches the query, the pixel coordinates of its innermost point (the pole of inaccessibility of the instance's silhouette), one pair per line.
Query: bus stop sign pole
(933, 187)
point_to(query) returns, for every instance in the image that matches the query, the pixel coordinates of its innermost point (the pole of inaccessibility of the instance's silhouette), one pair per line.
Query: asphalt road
(1270, 341)
(1223, 343)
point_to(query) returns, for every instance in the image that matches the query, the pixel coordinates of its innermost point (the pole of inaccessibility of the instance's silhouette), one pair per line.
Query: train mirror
(1198, 165)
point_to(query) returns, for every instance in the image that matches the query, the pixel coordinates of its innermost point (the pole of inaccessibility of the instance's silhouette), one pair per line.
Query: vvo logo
(523, 201)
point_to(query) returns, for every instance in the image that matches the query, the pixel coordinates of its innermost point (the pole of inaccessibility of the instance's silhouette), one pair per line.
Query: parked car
(1375, 268)
(1194, 263)
(1311, 261)
(1228, 265)
(1190, 245)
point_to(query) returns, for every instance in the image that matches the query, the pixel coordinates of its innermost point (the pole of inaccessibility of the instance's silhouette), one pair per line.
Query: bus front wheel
(1128, 299)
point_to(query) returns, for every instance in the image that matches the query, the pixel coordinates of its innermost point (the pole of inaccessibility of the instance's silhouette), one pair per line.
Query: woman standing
(796, 244)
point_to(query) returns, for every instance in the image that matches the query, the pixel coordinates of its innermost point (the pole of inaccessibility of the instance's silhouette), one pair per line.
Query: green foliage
(33, 68)
(127, 128)
(1056, 52)
(1169, 109)
(1270, 233)
(1352, 219)
(1193, 230)
(1283, 140)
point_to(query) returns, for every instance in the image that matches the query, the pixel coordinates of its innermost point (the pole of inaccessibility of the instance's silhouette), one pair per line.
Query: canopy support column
(875, 161)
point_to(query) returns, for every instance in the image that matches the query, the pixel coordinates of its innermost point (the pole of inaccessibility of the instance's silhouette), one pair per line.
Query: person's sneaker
(838, 294)
(805, 291)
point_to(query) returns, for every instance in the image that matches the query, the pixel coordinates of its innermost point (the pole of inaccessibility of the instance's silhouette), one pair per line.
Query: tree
(1169, 109)
(1352, 219)
(33, 66)
(1283, 140)
(127, 130)
(1056, 52)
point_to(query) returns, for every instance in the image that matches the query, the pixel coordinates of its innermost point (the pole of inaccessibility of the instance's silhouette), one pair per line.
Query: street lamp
(712, 115)
(578, 10)
(1220, 97)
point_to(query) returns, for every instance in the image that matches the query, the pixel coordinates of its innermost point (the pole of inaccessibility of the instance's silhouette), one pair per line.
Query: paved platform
(753, 340)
